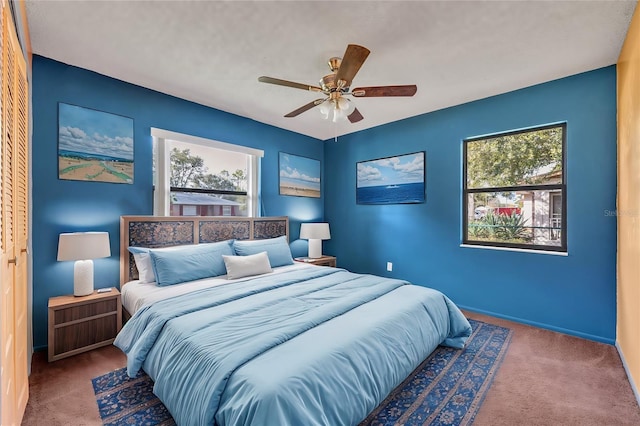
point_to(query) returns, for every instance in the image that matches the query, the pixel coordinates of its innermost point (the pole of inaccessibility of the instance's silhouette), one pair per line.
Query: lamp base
(83, 278)
(315, 248)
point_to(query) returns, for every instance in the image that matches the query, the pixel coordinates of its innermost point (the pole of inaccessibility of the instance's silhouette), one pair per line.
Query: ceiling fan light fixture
(345, 105)
(325, 108)
(336, 109)
(338, 115)
(337, 85)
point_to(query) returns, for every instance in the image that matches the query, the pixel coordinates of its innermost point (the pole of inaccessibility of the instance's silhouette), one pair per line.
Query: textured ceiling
(213, 52)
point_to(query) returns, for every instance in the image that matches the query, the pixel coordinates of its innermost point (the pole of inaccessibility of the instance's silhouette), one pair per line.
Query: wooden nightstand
(321, 261)
(79, 324)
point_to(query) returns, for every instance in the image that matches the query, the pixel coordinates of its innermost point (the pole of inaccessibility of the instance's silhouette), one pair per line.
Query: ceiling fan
(336, 86)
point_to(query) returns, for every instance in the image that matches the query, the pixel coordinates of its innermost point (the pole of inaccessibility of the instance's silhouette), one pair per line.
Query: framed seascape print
(299, 176)
(392, 180)
(94, 145)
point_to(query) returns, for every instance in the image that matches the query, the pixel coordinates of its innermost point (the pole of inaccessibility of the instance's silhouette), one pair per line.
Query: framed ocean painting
(392, 180)
(94, 145)
(299, 176)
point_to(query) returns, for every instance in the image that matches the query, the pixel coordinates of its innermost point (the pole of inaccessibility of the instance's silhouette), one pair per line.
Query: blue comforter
(312, 346)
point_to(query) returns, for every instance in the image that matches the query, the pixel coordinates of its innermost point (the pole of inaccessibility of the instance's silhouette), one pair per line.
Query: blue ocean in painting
(87, 156)
(391, 194)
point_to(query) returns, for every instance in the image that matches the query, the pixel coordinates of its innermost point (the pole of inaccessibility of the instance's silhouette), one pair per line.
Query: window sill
(553, 253)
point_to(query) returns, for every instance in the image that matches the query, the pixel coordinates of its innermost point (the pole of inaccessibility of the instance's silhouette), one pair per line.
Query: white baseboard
(626, 369)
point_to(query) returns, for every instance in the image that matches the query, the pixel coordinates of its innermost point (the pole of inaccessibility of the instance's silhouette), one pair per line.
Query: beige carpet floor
(546, 378)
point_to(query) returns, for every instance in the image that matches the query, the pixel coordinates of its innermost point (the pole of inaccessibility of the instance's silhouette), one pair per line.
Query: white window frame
(162, 140)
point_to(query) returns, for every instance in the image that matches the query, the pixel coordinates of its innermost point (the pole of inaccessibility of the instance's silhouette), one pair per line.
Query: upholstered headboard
(166, 231)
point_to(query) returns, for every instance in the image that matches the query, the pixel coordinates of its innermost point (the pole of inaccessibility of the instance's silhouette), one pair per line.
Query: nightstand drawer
(80, 335)
(84, 311)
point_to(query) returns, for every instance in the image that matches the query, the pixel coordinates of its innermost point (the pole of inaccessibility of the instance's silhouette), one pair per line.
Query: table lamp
(315, 233)
(83, 247)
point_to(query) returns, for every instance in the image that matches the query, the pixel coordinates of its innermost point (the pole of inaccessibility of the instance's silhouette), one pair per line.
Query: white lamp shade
(83, 246)
(315, 231)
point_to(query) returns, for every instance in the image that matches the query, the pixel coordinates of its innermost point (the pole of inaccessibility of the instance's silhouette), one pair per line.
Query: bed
(301, 344)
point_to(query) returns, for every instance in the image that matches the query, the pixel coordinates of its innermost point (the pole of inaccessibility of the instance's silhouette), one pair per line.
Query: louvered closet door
(20, 227)
(14, 196)
(8, 247)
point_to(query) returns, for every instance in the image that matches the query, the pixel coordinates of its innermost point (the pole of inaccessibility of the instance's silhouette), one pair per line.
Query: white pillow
(143, 264)
(246, 266)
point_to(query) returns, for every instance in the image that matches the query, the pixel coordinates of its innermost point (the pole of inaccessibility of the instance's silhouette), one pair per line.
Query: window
(186, 211)
(514, 189)
(200, 177)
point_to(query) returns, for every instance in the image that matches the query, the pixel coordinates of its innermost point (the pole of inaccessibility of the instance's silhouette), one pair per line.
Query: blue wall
(575, 294)
(68, 206)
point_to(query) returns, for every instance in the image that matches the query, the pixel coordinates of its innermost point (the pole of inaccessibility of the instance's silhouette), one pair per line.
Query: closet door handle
(14, 261)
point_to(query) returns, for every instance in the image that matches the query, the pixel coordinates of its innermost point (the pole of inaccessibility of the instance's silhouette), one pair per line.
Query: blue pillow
(277, 249)
(175, 265)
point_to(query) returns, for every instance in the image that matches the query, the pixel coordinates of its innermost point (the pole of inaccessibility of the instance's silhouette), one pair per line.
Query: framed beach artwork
(392, 180)
(299, 176)
(94, 146)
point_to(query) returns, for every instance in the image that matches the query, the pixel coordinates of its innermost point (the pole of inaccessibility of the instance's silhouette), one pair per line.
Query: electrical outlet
(389, 266)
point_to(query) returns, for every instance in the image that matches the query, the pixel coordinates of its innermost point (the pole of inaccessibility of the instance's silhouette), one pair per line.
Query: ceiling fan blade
(355, 116)
(288, 83)
(369, 92)
(352, 60)
(304, 108)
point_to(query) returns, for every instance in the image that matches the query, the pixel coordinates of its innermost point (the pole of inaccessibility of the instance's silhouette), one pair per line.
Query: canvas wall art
(299, 176)
(94, 145)
(392, 180)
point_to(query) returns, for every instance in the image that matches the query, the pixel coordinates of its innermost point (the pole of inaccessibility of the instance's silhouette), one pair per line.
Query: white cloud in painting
(388, 162)
(411, 170)
(394, 162)
(295, 174)
(75, 139)
(368, 173)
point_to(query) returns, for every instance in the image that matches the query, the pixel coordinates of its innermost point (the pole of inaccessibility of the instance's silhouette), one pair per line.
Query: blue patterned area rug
(446, 389)
(450, 385)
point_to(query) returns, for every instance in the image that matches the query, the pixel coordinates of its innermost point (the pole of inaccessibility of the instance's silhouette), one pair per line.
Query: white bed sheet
(136, 294)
